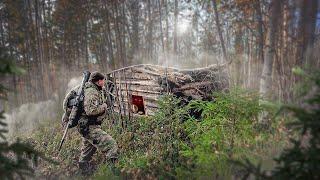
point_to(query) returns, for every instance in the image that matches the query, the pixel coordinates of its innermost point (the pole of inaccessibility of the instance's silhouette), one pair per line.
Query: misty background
(28, 117)
(55, 40)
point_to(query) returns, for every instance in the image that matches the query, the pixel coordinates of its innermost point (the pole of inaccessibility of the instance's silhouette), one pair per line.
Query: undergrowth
(175, 144)
(301, 159)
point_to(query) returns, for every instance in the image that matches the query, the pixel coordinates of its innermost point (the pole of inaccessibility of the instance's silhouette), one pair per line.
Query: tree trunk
(265, 81)
(175, 38)
(260, 39)
(108, 35)
(160, 21)
(306, 32)
(224, 52)
(135, 29)
(239, 52)
(123, 35)
(167, 27)
(150, 31)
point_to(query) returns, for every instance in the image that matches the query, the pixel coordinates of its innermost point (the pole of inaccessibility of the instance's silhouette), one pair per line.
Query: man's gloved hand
(105, 106)
(71, 124)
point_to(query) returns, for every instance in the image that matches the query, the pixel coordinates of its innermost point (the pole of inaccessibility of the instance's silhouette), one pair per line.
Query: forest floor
(173, 144)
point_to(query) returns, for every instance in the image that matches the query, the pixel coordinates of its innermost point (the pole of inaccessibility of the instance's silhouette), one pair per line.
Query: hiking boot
(85, 169)
(111, 163)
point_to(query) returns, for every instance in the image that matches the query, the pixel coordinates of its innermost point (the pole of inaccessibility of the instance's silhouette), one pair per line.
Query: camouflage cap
(96, 76)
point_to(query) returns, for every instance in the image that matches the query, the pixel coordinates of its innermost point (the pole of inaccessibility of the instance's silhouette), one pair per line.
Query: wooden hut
(135, 90)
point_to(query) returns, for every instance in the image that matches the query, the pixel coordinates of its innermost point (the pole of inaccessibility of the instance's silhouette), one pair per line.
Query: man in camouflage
(93, 137)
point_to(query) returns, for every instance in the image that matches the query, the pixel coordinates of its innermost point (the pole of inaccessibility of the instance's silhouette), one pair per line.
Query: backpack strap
(72, 102)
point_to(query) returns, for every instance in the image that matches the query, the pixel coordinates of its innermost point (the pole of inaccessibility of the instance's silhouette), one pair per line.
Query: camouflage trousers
(97, 139)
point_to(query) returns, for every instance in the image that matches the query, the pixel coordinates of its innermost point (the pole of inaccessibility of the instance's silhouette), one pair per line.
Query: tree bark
(167, 27)
(175, 38)
(108, 34)
(160, 21)
(306, 32)
(265, 81)
(224, 52)
(150, 31)
(135, 28)
(260, 38)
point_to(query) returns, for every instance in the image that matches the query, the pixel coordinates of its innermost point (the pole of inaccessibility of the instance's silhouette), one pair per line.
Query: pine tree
(15, 158)
(301, 160)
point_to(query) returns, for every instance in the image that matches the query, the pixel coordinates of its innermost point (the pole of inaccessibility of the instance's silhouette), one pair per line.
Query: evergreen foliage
(225, 130)
(175, 144)
(301, 159)
(15, 158)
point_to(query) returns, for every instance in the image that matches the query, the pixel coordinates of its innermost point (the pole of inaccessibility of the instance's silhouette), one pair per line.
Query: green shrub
(175, 144)
(226, 129)
(16, 158)
(301, 159)
(193, 141)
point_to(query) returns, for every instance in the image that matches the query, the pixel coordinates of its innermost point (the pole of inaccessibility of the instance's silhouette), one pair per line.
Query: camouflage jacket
(93, 100)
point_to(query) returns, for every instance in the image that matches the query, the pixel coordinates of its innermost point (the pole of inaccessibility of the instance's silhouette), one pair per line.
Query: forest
(266, 126)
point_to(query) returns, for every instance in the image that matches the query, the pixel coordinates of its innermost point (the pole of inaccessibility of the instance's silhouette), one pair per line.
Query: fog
(27, 118)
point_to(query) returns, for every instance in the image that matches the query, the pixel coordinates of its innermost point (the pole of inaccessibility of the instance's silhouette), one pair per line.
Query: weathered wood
(152, 81)
(130, 73)
(145, 91)
(139, 82)
(192, 86)
(146, 102)
(139, 76)
(209, 69)
(145, 71)
(149, 110)
(154, 97)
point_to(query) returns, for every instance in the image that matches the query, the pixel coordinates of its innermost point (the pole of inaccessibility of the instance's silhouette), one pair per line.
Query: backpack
(68, 102)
